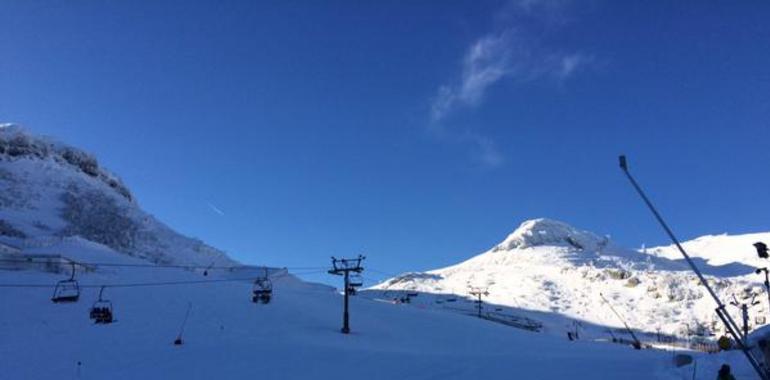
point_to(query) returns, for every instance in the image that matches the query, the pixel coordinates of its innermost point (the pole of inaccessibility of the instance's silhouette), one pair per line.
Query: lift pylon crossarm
(340, 266)
(479, 293)
(729, 322)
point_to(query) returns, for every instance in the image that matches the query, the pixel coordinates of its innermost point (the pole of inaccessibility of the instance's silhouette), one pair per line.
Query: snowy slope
(50, 192)
(719, 249)
(546, 266)
(296, 336)
(56, 199)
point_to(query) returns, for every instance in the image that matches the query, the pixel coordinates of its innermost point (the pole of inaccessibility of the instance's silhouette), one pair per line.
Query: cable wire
(160, 283)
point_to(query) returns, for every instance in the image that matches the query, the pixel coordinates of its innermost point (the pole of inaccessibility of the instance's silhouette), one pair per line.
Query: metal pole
(637, 342)
(345, 317)
(767, 290)
(745, 311)
(732, 327)
(767, 285)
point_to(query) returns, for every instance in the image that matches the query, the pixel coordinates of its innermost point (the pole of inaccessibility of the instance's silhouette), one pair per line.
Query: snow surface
(45, 198)
(550, 271)
(719, 249)
(294, 337)
(56, 199)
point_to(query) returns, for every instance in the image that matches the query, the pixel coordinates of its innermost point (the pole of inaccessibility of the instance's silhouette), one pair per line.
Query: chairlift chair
(101, 311)
(68, 290)
(263, 290)
(356, 280)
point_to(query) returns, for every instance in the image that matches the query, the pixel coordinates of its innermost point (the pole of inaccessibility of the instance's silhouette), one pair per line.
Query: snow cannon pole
(767, 282)
(637, 342)
(729, 322)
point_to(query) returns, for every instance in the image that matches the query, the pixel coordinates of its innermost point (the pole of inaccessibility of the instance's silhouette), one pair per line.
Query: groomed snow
(294, 337)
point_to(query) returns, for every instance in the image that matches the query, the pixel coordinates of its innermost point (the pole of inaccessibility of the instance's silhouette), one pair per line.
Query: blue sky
(417, 132)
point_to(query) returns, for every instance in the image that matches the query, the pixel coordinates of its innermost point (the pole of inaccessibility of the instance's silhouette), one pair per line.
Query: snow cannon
(761, 250)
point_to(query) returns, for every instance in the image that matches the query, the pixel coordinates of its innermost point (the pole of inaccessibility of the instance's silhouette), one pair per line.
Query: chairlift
(68, 290)
(263, 289)
(101, 311)
(356, 280)
(407, 298)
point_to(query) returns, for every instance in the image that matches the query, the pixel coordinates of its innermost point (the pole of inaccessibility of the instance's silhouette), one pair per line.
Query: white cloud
(510, 54)
(568, 64)
(486, 62)
(506, 55)
(487, 151)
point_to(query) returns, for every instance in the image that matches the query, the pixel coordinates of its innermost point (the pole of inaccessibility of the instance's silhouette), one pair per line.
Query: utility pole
(478, 292)
(343, 267)
(728, 321)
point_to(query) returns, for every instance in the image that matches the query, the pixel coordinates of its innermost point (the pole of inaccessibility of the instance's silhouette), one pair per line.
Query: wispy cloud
(504, 55)
(515, 53)
(487, 61)
(486, 151)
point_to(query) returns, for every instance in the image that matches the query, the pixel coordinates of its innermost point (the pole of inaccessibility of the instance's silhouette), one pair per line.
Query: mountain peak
(544, 232)
(18, 143)
(51, 192)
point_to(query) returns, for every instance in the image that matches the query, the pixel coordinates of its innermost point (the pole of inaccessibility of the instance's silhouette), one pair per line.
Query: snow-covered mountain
(51, 193)
(295, 336)
(57, 199)
(549, 266)
(719, 249)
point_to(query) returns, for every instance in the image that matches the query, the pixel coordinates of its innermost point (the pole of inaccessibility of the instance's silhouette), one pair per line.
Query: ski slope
(719, 250)
(556, 273)
(50, 190)
(296, 336)
(57, 200)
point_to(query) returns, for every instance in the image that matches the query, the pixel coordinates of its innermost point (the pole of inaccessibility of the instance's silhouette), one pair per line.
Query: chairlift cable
(154, 266)
(144, 284)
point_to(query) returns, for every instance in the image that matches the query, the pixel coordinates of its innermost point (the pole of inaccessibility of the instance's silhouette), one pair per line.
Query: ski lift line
(166, 283)
(142, 284)
(157, 266)
(382, 272)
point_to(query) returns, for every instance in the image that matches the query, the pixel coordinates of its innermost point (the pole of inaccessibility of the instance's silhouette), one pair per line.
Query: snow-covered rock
(539, 232)
(51, 191)
(719, 249)
(550, 267)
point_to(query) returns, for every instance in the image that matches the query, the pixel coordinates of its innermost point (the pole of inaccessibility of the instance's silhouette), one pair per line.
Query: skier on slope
(724, 373)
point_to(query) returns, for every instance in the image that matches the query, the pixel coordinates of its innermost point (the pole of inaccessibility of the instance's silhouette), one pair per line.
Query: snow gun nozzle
(762, 251)
(623, 163)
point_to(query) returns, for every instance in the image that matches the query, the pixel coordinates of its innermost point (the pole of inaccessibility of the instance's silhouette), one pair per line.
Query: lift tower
(343, 267)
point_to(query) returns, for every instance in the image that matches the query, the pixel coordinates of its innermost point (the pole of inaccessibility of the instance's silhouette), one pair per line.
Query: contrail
(215, 209)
